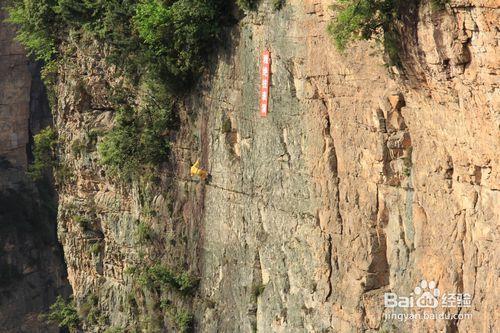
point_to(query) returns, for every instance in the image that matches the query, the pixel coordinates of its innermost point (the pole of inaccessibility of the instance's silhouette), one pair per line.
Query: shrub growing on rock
(367, 19)
(158, 276)
(247, 4)
(162, 41)
(63, 313)
(43, 153)
(136, 140)
(37, 25)
(177, 35)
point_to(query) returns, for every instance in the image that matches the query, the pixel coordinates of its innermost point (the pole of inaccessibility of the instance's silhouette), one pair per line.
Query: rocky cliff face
(32, 271)
(361, 181)
(356, 184)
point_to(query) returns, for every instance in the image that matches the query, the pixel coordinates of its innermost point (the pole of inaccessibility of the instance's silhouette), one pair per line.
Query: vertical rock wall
(359, 182)
(32, 272)
(356, 184)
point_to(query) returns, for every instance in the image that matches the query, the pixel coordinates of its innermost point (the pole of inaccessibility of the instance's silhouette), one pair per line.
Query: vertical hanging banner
(265, 76)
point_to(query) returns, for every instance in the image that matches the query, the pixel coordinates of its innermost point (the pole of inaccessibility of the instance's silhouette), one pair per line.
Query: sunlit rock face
(358, 182)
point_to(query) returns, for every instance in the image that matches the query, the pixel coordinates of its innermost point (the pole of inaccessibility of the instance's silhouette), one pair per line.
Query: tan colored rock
(354, 185)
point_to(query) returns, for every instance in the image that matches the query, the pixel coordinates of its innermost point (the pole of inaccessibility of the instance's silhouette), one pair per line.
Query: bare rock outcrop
(357, 183)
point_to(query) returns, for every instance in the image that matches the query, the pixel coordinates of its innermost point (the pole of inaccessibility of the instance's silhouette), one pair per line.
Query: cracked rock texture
(362, 180)
(356, 183)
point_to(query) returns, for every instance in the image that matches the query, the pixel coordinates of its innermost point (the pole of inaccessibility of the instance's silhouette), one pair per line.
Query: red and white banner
(265, 77)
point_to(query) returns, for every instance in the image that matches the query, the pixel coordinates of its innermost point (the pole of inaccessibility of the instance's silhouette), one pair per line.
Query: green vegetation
(95, 248)
(183, 319)
(146, 209)
(89, 308)
(388, 328)
(44, 153)
(83, 221)
(437, 5)
(177, 35)
(37, 24)
(407, 162)
(120, 149)
(138, 138)
(373, 19)
(162, 46)
(367, 19)
(131, 301)
(77, 147)
(91, 137)
(63, 313)
(144, 233)
(169, 38)
(63, 173)
(258, 290)
(159, 276)
(247, 4)
(226, 126)
(278, 4)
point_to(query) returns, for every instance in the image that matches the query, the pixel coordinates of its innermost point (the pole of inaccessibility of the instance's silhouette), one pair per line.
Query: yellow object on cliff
(197, 171)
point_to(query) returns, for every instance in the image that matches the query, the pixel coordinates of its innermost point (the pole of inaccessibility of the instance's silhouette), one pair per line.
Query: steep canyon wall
(359, 182)
(362, 180)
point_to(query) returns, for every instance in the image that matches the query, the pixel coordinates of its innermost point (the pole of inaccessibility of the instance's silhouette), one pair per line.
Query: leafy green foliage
(247, 4)
(44, 153)
(169, 38)
(77, 148)
(278, 4)
(119, 149)
(37, 26)
(183, 320)
(83, 221)
(136, 140)
(144, 233)
(163, 44)
(258, 290)
(367, 19)
(63, 173)
(361, 19)
(95, 248)
(89, 305)
(63, 313)
(158, 276)
(177, 35)
(226, 126)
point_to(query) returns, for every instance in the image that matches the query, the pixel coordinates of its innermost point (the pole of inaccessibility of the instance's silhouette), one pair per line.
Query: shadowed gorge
(32, 270)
